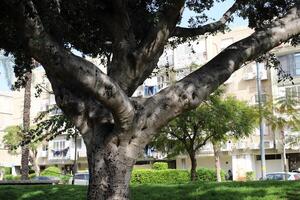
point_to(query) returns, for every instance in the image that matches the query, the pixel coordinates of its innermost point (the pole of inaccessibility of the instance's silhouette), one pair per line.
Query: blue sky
(215, 13)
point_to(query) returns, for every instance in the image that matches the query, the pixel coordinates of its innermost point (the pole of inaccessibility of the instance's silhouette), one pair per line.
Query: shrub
(250, 176)
(205, 174)
(64, 179)
(167, 176)
(11, 177)
(6, 170)
(32, 175)
(160, 166)
(51, 171)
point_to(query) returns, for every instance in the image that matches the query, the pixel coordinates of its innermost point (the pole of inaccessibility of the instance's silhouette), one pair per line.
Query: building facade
(238, 156)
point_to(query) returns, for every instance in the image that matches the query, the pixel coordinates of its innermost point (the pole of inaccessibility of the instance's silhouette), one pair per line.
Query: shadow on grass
(43, 192)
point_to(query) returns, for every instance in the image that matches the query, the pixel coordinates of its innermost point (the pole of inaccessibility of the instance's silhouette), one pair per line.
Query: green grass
(201, 191)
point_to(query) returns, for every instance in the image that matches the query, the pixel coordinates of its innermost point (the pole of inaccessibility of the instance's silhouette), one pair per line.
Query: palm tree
(26, 125)
(282, 115)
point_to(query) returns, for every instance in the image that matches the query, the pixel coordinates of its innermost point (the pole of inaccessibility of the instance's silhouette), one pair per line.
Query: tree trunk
(26, 125)
(217, 162)
(110, 171)
(34, 163)
(193, 166)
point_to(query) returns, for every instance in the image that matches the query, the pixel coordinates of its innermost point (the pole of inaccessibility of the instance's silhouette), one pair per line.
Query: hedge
(11, 177)
(168, 176)
(171, 176)
(51, 171)
(205, 174)
(160, 166)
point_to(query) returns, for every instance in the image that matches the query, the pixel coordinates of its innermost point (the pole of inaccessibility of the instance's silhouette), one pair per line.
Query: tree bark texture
(34, 162)
(217, 162)
(26, 125)
(193, 166)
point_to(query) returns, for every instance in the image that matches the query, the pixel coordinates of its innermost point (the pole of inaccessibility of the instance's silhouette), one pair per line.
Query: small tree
(228, 119)
(12, 139)
(214, 120)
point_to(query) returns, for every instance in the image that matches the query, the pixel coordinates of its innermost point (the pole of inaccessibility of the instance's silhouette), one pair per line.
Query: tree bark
(110, 176)
(193, 165)
(26, 125)
(34, 163)
(217, 162)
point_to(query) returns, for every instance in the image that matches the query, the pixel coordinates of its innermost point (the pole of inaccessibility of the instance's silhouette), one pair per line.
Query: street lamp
(261, 130)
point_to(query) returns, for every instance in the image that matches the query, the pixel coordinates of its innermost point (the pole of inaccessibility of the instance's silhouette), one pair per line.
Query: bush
(167, 176)
(205, 174)
(51, 171)
(250, 176)
(160, 166)
(6, 170)
(11, 177)
(64, 179)
(31, 176)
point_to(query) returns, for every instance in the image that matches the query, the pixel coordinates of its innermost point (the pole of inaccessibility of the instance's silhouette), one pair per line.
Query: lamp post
(261, 130)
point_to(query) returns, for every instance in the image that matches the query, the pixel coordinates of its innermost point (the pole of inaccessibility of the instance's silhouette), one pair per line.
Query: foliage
(171, 176)
(51, 171)
(6, 170)
(283, 115)
(168, 176)
(250, 176)
(49, 126)
(11, 177)
(205, 174)
(13, 137)
(64, 179)
(160, 166)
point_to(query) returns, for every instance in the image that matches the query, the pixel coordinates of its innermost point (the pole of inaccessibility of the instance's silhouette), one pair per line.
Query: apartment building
(238, 156)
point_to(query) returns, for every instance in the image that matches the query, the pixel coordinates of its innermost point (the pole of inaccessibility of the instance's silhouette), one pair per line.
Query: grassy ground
(201, 191)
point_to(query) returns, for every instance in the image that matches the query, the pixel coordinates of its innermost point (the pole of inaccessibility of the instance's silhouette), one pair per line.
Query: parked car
(45, 178)
(48, 179)
(80, 179)
(279, 176)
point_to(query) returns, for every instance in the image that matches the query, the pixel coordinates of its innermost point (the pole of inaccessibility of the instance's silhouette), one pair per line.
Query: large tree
(132, 35)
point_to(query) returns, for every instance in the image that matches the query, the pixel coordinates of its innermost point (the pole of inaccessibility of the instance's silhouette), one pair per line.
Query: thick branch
(193, 89)
(74, 72)
(146, 55)
(208, 28)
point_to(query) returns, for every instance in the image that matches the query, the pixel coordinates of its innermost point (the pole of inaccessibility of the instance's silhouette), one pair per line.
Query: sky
(214, 13)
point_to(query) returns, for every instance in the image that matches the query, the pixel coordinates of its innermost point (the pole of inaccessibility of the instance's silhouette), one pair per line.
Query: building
(238, 156)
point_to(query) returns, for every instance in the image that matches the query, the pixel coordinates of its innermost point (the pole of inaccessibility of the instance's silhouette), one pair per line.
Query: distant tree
(226, 120)
(214, 120)
(14, 137)
(283, 115)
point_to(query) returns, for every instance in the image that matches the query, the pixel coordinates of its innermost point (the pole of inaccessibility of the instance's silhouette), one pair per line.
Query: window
(58, 145)
(297, 63)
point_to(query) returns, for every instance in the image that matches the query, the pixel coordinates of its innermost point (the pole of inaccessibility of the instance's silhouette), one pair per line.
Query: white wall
(271, 166)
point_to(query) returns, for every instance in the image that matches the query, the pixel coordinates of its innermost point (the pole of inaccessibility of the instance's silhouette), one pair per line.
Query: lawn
(202, 191)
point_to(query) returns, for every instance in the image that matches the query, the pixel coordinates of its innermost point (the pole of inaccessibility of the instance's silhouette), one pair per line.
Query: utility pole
(75, 160)
(261, 130)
